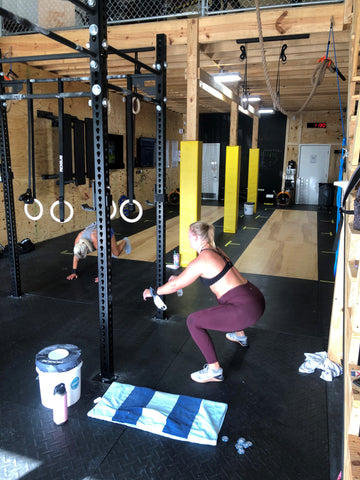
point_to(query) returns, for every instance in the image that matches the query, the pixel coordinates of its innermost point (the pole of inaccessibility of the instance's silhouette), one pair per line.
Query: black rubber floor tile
(291, 418)
(34, 448)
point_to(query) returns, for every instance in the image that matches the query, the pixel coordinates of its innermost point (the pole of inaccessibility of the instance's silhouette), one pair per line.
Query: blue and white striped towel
(176, 416)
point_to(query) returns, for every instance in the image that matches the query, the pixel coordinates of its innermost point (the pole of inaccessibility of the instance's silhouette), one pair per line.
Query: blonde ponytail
(205, 231)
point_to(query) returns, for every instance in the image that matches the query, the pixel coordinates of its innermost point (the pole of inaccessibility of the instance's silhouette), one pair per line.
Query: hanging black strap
(30, 194)
(282, 58)
(89, 140)
(355, 178)
(79, 151)
(31, 143)
(67, 147)
(243, 52)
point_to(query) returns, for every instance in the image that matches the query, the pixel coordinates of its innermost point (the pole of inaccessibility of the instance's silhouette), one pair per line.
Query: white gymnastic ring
(114, 212)
(124, 217)
(26, 208)
(136, 101)
(58, 219)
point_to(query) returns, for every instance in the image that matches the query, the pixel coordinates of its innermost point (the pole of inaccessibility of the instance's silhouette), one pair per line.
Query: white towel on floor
(319, 360)
(176, 416)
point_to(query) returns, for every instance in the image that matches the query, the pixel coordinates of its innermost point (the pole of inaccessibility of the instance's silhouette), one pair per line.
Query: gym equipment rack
(97, 50)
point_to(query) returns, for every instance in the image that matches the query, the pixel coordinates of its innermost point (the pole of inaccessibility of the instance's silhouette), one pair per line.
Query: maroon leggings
(238, 308)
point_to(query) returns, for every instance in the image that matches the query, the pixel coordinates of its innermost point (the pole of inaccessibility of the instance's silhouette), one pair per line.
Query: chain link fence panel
(57, 15)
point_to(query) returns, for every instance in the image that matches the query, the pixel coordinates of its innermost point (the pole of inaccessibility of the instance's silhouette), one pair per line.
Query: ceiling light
(266, 110)
(227, 77)
(254, 98)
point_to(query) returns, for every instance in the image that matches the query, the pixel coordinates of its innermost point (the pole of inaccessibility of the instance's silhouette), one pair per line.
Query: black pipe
(274, 38)
(37, 58)
(121, 53)
(21, 96)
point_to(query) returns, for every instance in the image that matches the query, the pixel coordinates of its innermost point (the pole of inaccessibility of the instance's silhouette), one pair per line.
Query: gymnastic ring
(130, 220)
(114, 212)
(135, 111)
(58, 219)
(26, 207)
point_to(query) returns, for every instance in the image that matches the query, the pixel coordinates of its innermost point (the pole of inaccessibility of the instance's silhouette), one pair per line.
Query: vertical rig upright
(98, 44)
(160, 194)
(130, 144)
(7, 180)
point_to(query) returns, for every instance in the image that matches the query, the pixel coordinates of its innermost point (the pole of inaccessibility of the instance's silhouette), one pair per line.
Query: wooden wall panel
(331, 134)
(298, 133)
(294, 129)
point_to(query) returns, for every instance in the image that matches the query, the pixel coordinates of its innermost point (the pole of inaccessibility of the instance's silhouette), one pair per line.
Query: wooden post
(193, 61)
(255, 132)
(191, 150)
(234, 122)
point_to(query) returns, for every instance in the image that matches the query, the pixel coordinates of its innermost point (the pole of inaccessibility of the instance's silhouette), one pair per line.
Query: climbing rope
(317, 77)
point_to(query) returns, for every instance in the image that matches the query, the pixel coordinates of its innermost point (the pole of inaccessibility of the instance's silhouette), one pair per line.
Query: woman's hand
(72, 276)
(146, 293)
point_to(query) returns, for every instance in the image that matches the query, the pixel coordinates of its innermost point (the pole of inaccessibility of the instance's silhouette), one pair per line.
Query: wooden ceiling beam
(218, 48)
(307, 19)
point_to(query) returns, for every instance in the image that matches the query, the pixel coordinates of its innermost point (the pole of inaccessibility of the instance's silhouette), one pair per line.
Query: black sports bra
(228, 265)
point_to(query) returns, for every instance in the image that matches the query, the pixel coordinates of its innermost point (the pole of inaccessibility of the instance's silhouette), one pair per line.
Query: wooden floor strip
(286, 246)
(143, 244)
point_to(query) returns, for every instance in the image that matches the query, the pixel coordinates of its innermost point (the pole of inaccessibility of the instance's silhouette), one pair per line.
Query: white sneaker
(235, 338)
(208, 374)
(127, 245)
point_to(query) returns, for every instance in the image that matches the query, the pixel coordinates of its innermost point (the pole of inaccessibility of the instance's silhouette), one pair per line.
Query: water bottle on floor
(60, 413)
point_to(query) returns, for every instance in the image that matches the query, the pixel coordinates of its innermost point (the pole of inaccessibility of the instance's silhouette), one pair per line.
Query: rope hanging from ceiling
(316, 79)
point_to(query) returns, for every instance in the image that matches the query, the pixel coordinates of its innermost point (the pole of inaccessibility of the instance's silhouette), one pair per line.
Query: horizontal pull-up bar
(126, 91)
(19, 81)
(37, 58)
(138, 50)
(35, 96)
(121, 53)
(274, 38)
(54, 36)
(20, 96)
(8, 83)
